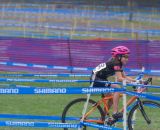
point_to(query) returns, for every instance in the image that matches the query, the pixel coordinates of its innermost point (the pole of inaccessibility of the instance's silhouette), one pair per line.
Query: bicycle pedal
(110, 121)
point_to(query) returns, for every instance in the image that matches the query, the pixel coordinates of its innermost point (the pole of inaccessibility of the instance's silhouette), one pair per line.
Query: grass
(43, 104)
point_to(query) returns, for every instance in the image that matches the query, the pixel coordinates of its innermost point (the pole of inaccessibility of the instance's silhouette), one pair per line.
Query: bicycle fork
(141, 108)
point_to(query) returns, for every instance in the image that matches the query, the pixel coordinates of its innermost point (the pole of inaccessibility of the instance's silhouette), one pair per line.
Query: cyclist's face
(124, 59)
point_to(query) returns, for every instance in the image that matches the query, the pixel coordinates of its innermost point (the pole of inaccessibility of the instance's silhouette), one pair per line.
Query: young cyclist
(114, 66)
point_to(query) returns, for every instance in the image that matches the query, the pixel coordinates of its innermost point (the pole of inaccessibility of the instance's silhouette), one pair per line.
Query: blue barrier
(46, 75)
(44, 66)
(147, 86)
(66, 81)
(52, 81)
(69, 67)
(53, 125)
(58, 81)
(68, 90)
(50, 75)
(141, 95)
(100, 126)
(71, 81)
(38, 124)
(59, 125)
(44, 80)
(152, 93)
(33, 90)
(72, 90)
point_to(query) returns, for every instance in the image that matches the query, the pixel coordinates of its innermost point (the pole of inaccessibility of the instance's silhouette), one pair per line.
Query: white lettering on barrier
(40, 75)
(99, 90)
(136, 94)
(8, 91)
(49, 90)
(61, 125)
(16, 123)
(61, 81)
(21, 80)
(98, 126)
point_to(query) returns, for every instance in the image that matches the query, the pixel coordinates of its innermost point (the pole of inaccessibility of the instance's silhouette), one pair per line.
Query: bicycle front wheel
(137, 121)
(73, 113)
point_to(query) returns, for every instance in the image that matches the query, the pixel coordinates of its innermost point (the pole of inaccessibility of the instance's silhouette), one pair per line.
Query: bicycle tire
(78, 101)
(133, 110)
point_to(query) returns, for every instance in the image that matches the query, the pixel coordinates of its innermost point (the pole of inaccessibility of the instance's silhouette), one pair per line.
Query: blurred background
(78, 32)
(72, 36)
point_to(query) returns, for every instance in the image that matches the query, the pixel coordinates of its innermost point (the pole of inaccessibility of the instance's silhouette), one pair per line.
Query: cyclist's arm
(128, 78)
(121, 76)
(118, 72)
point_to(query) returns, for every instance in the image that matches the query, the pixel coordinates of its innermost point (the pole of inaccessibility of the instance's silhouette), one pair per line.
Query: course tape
(142, 86)
(53, 125)
(68, 90)
(43, 80)
(73, 90)
(153, 93)
(70, 81)
(43, 66)
(50, 75)
(67, 81)
(141, 95)
(68, 67)
(46, 75)
(38, 124)
(100, 126)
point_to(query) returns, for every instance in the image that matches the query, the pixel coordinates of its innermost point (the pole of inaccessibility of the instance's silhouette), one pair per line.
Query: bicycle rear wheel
(136, 120)
(72, 113)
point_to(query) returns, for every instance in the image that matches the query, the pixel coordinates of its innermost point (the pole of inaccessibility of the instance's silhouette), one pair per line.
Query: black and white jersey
(104, 70)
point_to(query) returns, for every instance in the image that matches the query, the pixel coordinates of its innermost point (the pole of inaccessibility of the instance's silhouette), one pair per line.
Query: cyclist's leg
(116, 97)
(110, 102)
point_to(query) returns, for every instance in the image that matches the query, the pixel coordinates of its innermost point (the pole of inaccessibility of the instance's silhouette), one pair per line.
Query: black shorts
(98, 84)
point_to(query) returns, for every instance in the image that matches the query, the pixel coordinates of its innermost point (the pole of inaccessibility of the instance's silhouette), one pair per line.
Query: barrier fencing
(69, 68)
(28, 90)
(68, 90)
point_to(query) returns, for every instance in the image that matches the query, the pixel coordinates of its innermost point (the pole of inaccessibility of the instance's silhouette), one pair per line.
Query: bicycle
(141, 112)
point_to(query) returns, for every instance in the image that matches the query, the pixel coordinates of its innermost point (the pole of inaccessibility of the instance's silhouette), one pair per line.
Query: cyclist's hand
(134, 83)
(149, 80)
(139, 81)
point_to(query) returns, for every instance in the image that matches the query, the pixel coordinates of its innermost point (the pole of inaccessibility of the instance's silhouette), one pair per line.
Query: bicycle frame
(104, 101)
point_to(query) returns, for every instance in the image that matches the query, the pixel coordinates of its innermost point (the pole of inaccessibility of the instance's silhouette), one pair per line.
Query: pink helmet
(120, 50)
